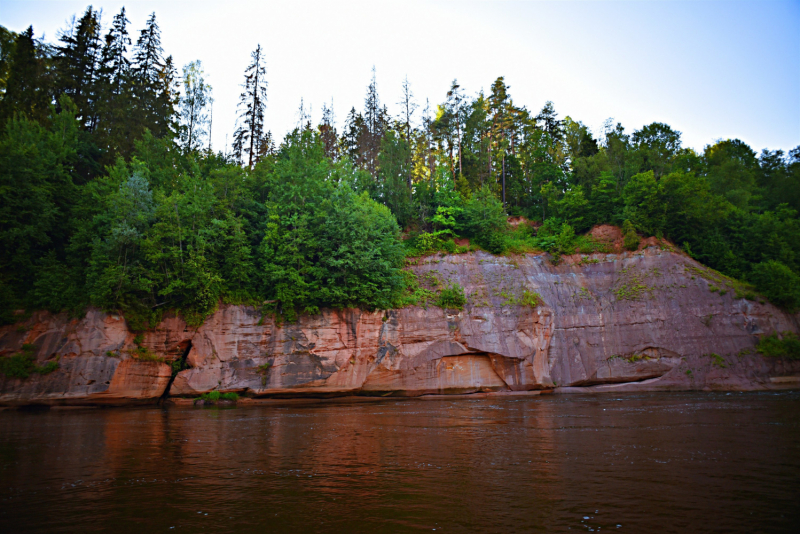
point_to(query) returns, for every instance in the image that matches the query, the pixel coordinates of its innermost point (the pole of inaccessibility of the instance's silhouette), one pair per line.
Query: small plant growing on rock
(212, 397)
(452, 297)
(262, 370)
(717, 360)
(531, 299)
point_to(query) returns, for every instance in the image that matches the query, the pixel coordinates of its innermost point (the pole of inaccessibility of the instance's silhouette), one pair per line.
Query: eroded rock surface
(628, 321)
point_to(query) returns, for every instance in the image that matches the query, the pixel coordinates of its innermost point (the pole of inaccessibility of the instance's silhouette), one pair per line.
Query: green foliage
(778, 283)
(531, 299)
(212, 397)
(630, 239)
(452, 297)
(786, 345)
(23, 364)
(107, 201)
(415, 294)
(429, 242)
(485, 220)
(717, 360)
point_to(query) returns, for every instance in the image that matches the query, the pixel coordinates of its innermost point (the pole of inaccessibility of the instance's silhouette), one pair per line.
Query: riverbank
(652, 320)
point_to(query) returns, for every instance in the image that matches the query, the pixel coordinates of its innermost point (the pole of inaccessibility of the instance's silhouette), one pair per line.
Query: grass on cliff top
(522, 239)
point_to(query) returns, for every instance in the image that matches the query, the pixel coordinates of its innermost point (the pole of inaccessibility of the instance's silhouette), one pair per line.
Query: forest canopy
(112, 196)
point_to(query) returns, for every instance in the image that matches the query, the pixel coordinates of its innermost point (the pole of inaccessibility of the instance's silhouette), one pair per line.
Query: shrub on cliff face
(778, 283)
(630, 239)
(23, 364)
(785, 346)
(452, 297)
(484, 219)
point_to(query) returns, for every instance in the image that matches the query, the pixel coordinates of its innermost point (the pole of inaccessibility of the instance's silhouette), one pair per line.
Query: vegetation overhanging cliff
(113, 200)
(631, 321)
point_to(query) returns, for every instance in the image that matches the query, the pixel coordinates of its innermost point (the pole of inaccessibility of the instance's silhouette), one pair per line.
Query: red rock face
(630, 321)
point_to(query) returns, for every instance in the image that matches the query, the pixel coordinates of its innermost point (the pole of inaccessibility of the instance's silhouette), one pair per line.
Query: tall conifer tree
(250, 137)
(28, 88)
(77, 62)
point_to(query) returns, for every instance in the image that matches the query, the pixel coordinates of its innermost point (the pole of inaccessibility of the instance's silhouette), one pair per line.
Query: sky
(711, 70)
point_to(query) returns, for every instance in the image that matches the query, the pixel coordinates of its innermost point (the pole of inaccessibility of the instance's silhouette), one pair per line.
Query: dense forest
(111, 194)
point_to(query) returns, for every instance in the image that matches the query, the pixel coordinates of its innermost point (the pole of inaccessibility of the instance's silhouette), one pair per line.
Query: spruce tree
(327, 132)
(376, 122)
(77, 61)
(113, 86)
(149, 75)
(250, 137)
(28, 88)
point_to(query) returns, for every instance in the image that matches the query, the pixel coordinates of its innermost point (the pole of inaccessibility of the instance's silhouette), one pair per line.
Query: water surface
(680, 462)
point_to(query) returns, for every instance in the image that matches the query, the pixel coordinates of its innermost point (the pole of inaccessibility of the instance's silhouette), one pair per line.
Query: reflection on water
(637, 463)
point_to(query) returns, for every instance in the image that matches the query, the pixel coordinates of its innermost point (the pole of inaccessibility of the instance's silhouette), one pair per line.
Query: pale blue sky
(709, 69)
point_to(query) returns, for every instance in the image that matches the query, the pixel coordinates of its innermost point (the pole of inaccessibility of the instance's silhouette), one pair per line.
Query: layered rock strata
(649, 320)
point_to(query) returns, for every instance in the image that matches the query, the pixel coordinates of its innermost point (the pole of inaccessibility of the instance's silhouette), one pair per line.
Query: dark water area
(681, 462)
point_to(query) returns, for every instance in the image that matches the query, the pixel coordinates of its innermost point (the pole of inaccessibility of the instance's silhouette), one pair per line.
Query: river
(660, 462)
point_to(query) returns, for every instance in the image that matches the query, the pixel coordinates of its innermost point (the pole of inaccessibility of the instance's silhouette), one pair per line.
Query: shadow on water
(693, 462)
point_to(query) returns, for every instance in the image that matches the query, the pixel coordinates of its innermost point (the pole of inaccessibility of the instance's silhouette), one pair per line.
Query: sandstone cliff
(628, 321)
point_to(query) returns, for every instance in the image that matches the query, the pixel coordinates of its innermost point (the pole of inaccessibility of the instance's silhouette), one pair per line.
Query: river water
(679, 462)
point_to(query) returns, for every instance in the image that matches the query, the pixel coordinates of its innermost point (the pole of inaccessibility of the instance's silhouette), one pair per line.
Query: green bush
(211, 397)
(785, 346)
(630, 239)
(778, 283)
(531, 299)
(452, 297)
(484, 219)
(494, 242)
(23, 364)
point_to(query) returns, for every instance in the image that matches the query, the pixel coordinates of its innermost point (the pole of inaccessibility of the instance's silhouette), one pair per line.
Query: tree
(28, 88)
(77, 62)
(408, 107)
(153, 77)
(196, 96)
(328, 133)
(656, 145)
(250, 137)
(113, 129)
(643, 205)
(375, 126)
(7, 39)
(778, 283)
(731, 169)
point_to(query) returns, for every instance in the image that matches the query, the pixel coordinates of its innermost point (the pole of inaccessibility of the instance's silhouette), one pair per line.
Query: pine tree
(249, 137)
